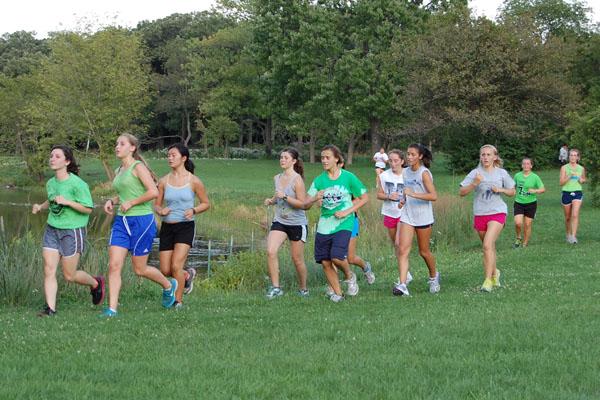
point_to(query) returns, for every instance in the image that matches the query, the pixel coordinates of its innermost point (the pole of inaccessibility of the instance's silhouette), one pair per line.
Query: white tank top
(416, 212)
(391, 183)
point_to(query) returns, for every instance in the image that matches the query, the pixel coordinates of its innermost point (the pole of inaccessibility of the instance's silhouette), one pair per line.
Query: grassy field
(535, 338)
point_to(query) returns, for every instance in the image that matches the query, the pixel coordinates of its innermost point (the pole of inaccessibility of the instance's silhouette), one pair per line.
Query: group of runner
(406, 190)
(139, 195)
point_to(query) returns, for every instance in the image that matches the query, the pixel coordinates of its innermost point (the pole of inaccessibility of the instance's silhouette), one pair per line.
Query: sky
(43, 16)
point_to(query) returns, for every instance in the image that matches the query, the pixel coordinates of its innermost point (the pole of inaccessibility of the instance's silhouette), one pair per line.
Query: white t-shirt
(391, 183)
(380, 160)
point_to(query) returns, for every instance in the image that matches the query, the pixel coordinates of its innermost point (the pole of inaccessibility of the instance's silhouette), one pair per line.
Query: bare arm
(36, 208)
(563, 179)
(357, 203)
(160, 198)
(298, 202)
(431, 194)
(582, 178)
(73, 204)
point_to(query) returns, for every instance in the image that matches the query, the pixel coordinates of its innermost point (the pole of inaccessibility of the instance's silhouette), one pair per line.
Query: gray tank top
(416, 212)
(178, 199)
(284, 213)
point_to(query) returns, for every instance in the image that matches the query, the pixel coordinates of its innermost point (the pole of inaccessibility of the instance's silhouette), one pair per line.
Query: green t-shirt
(129, 187)
(523, 184)
(337, 197)
(75, 189)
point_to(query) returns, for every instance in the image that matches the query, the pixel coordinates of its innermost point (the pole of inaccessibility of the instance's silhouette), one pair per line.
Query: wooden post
(208, 262)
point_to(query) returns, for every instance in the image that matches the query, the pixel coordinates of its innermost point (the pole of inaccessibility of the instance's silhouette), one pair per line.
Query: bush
(21, 269)
(244, 271)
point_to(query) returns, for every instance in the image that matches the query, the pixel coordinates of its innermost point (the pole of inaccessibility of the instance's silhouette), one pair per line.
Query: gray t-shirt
(416, 212)
(284, 212)
(485, 201)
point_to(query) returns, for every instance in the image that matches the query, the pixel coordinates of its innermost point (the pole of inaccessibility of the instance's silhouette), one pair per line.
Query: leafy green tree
(94, 87)
(21, 53)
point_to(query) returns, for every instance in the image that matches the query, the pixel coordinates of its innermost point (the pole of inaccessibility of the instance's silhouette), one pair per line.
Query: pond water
(16, 220)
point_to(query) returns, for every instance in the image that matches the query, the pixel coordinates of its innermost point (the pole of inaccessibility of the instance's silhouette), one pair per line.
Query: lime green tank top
(573, 185)
(129, 187)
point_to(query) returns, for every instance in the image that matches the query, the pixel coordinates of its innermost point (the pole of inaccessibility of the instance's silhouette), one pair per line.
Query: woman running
(528, 185)
(335, 187)
(416, 217)
(572, 175)
(70, 204)
(489, 181)
(175, 203)
(289, 222)
(381, 159)
(134, 227)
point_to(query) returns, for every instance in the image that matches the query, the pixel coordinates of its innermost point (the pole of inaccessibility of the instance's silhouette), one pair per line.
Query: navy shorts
(335, 245)
(527, 210)
(135, 234)
(179, 232)
(294, 232)
(569, 197)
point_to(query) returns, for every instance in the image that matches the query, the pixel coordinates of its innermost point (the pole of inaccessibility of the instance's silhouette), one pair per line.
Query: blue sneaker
(108, 313)
(168, 296)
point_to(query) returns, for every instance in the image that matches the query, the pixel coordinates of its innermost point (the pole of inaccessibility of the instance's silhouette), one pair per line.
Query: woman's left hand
(189, 214)
(125, 206)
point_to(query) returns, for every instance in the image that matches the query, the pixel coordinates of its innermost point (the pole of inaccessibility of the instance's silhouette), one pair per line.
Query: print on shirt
(391, 187)
(333, 197)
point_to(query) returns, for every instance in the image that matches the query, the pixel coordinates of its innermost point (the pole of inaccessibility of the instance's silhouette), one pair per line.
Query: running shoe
(409, 278)
(108, 313)
(496, 278)
(517, 243)
(434, 283)
(573, 240)
(400, 289)
(336, 298)
(329, 291)
(303, 293)
(168, 295)
(177, 306)
(369, 275)
(46, 312)
(352, 285)
(487, 286)
(274, 292)
(189, 282)
(98, 292)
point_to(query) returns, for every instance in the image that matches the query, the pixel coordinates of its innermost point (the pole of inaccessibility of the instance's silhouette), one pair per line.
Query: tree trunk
(374, 134)
(250, 133)
(350, 153)
(311, 146)
(269, 137)
(188, 128)
(110, 174)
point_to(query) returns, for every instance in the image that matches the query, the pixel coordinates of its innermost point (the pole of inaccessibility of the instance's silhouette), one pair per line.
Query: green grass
(535, 338)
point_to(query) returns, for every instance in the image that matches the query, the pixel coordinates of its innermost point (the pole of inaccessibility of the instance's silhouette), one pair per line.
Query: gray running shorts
(67, 242)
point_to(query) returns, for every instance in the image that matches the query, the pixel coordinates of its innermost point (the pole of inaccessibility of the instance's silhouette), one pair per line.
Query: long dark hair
(73, 167)
(423, 151)
(337, 153)
(185, 152)
(299, 165)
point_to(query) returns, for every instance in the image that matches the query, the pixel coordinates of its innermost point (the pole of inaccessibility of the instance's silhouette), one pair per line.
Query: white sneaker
(336, 298)
(434, 283)
(329, 292)
(409, 278)
(369, 275)
(400, 289)
(352, 285)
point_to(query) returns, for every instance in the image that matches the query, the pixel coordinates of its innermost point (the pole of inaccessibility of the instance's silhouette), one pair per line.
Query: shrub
(244, 271)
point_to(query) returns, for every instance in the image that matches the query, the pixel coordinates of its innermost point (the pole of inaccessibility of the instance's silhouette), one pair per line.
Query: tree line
(359, 73)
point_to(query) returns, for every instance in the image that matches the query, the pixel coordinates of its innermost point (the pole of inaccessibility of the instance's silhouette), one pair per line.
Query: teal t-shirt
(75, 189)
(523, 184)
(337, 196)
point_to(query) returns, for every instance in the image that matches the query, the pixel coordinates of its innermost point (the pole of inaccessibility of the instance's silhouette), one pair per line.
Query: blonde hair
(498, 161)
(134, 141)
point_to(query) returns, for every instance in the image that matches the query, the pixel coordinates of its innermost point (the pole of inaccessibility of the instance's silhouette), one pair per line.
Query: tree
(21, 53)
(94, 87)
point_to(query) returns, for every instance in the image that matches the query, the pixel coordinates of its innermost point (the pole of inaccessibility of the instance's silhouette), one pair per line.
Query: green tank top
(573, 185)
(129, 187)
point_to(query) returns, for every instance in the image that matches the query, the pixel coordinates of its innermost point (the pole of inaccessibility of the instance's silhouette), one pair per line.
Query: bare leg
(405, 235)
(165, 257)
(51, 259)
(528, 224)
(141, 268)
(178, 259)
(423, 236)
(518, 226)
(71, 274)
(488, 240)
(567, 211)
(352, 257)
(332, 276)
(274, 242)
(576, 206)
(297, 250)
(116, 259)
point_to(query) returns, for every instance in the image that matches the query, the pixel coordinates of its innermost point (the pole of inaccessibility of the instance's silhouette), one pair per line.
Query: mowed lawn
(535, 338)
